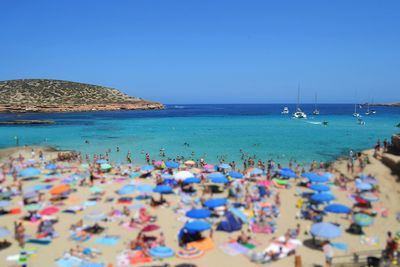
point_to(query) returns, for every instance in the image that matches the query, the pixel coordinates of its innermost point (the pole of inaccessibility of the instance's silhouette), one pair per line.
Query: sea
(209, 131)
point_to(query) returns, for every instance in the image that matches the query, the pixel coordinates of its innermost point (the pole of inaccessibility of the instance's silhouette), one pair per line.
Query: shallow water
(212, 131)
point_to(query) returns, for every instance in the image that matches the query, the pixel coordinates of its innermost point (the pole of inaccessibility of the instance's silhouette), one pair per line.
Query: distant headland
(43, 95)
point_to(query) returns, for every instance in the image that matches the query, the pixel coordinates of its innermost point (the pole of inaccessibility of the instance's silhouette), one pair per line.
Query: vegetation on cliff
(42, 95)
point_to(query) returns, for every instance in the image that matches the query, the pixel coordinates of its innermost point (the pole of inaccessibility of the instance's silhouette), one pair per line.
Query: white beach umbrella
(182, 175)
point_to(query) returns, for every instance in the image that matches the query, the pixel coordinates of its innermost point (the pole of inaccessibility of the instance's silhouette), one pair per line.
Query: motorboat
(285, 111)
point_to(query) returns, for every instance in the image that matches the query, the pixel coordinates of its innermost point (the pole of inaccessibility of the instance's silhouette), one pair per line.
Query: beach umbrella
(4, 232)
(192, 180)
(150, 228)
(189, 252)
(144, 188)
(326, 230)
(197, 226)
(319, 187)
(363, 186)
(84, 166)
(236, 175)
(126, 189)
(322, 197)
(96, 189)
(29, 172)
(287, 169)
(315, 178)
(190, 162)
(49, 210)
(60, 189)
(167, 176)
(161, 252)
(134, 174)
(105, 166)
(4, 204)
(147, 168)
(172, 165)
(162, 189)
(369, 196)
(198, 213)
(337, 208)
(224, 166)
(209, 167)
(363, 219)
(369, 179)
(215, 202)
(215, 175)
(101, 161)
(288, 174)
(220, 180)
(32, 207)
(158, 163)
(37, 187)
(95, 216)
(256, 171)
(182, 175)
(31, 194)
(51, 166)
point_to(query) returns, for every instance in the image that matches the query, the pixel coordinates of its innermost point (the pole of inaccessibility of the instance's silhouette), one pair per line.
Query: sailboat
(316, 111)
(356, 114)
(285, 111)
(369, 112)
(299, 114)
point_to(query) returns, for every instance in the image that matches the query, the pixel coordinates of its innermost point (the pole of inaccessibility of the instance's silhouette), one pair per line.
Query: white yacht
(299, 114)
(285, 111)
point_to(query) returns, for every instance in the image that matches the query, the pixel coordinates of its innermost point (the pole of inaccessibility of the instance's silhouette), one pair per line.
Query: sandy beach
(171, 219)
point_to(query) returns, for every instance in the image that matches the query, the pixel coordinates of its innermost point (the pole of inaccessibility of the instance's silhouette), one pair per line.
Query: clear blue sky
(209, 51)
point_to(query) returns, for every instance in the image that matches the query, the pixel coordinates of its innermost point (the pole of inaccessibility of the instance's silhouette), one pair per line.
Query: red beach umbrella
(150, 228)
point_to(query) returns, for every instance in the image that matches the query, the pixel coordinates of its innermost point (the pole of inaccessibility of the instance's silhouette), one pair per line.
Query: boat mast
(315, 104)
(298, 97)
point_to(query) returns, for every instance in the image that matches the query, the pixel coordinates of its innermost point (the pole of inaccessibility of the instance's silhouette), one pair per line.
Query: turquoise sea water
(212, 131)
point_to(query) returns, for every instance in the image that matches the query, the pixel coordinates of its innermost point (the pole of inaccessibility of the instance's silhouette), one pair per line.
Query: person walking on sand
(19, 233)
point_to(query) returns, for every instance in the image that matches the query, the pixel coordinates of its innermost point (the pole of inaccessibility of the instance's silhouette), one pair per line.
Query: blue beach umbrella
(318, 178)
(287, 169)
(198, 213)
(362, 219)
(197, 226)
(337, 208)
(256, 171)
(29, 172)
(4, 232)
(215, 202)
(192, 180)
(224, 166)
(163, 189)
(322, 197)
(101, 161)
(144, 188)
(51, 166)
(147, 168)
(326, 230)
(236, 175)
(172, 165)
(126, 189)
(319, 187)
(220, 180)
(288, 174)
(216, 175)
(363, 186)
(4, 204)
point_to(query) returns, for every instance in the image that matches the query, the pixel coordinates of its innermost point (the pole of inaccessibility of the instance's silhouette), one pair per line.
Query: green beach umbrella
(105, 166)
(32, 207)
(362, 219)
(96, 189)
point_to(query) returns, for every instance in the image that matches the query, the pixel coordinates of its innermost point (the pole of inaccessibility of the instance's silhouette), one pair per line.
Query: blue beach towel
(107, 240)
(341, 246)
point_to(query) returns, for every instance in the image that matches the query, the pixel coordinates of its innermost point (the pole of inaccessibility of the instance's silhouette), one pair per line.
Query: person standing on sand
(328, 252)
(19, 233)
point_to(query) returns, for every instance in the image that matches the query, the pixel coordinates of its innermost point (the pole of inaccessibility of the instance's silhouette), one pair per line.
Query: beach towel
(128, 227)
(261, 229)
(137, 257)
(68, 261)
(39, 241)
(80, 238)
(205, 244)
(107, 240)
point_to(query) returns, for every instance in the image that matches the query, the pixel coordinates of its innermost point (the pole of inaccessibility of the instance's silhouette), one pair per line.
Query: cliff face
(64, 96)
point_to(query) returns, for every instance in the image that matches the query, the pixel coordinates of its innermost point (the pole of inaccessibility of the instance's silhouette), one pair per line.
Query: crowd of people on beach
(221, 197)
